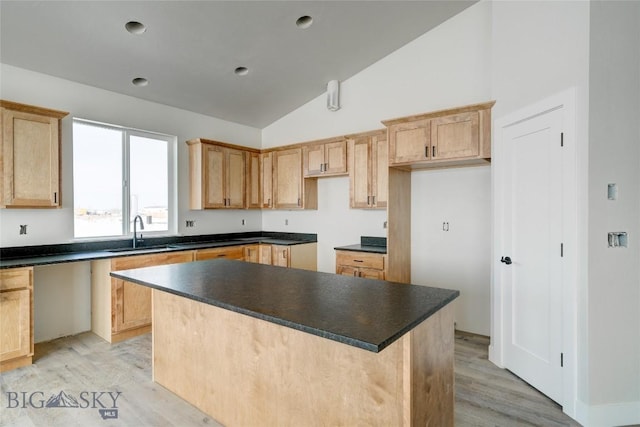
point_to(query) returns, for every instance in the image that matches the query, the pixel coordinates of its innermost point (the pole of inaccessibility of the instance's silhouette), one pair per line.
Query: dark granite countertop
(363, 248)
(376, 245)
(365, 313)
(28, 256)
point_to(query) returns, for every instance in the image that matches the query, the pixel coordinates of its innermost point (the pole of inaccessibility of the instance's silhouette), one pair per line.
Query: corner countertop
(376, 245)
(30, 256)
(365, 313)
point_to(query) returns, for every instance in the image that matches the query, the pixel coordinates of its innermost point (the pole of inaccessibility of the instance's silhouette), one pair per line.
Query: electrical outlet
(243, 222)
(23, 229)
(190, 223)
(384, 224)
(286, 222)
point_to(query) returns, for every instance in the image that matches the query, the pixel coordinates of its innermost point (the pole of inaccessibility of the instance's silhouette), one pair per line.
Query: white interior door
(532, 238)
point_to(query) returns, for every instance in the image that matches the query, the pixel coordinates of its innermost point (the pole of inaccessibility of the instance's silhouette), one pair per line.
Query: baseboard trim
(607, 415)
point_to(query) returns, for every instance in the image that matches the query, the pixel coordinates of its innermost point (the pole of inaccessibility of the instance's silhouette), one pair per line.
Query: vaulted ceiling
(190, 49)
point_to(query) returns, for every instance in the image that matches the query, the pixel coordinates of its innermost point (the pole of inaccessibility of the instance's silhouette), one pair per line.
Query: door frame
(566, 101)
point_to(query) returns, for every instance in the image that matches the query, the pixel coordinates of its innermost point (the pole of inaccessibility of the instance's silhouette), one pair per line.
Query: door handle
(506, 260)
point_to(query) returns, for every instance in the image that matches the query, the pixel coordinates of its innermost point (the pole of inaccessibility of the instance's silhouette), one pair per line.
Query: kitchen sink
(141, 248)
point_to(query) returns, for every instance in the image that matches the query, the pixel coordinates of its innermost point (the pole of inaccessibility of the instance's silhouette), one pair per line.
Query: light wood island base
(244, 371)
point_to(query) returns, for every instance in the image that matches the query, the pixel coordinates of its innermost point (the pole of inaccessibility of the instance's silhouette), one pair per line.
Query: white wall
(91, 103)
(614, 155)
(540, 49)
(447, 67)
(458, 258)
(70, 282)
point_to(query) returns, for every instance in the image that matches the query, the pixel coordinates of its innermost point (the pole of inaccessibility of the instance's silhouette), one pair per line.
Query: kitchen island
(255, 344)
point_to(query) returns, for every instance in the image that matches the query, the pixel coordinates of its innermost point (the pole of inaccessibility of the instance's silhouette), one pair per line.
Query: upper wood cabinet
(325, 158)
(29, 156)
(266, 182)
(253, 198)
(443, 138)
(368, 170)
(290, 189)
(217, 174)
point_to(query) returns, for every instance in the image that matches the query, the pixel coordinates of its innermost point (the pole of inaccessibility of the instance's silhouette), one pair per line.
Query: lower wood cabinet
(226, 252)
(302, 256)
(16, 318)
(361, 264)
(120, 309)
(258, 253)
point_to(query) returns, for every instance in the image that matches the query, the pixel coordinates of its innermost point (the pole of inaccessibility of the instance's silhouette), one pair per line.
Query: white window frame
(172, 180)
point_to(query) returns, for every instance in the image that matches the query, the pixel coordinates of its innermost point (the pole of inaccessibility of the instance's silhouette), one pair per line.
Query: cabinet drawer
(15, 278)
(360, 259)
(229, 252)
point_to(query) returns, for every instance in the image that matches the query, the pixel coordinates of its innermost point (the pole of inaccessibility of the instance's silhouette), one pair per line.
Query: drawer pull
(358, 260)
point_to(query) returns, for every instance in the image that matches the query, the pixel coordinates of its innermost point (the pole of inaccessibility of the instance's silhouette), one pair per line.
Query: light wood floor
(485, 395)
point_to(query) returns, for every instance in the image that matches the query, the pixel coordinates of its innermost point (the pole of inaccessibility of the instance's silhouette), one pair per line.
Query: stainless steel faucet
(135, 230)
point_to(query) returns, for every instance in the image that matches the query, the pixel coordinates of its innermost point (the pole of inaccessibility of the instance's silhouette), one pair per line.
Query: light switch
(617, 239)
(612, 191)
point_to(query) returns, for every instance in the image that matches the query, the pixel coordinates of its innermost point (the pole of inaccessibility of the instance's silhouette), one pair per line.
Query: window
(120, 173)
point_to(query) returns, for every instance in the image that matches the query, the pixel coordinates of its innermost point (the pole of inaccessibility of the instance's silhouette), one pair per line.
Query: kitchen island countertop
(365, 313)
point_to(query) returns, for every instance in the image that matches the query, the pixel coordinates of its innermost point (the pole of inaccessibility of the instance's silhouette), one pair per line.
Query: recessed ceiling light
(135, 27)
(241, 71)
(304, 22)
(140, 81)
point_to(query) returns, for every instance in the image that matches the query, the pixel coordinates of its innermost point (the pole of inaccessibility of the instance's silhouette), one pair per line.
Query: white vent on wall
(333, 95)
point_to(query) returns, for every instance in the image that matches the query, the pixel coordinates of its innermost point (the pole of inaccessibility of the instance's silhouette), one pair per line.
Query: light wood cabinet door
(380, 170)
(287, 165)
(131, 303)
(253, 181)
(251, 253)
(30, 156)
(280, 256)
(325, 159)
(227, 252)
(360, 172)
(266, 184)
(368, 171)
(217, 175)
(410, 142)
(15, 324)
(16, 317)
(214, 177)
(455, 136)
(361, 264)
(265, 254)
(131, 306)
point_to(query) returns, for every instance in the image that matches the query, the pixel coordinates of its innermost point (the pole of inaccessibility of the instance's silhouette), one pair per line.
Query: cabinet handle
(222, 255)
(426, 151)
(299, 202)
(368, 200)
(284, 253)
(433, 151)
(55, 197)
(355, 273)
(373, 200)
(358, 260)
(326, 166)
(269, 202)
